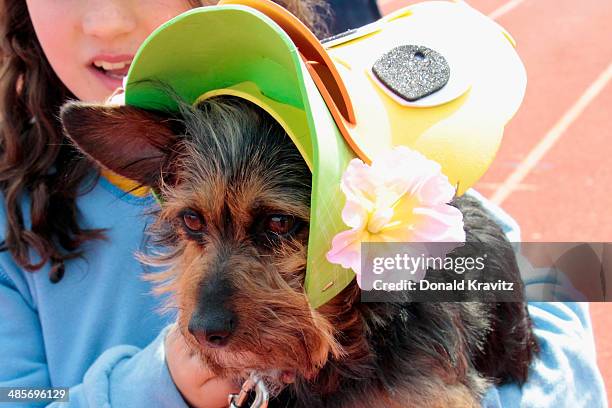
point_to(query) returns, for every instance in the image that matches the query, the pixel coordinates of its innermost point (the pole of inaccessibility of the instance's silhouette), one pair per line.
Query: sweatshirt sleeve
(123, 376)
(22, 354)
(565, 373)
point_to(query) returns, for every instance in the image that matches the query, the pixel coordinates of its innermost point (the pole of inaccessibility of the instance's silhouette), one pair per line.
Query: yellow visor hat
(437, 77)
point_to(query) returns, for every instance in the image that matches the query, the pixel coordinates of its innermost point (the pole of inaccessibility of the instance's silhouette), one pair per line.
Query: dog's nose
(213, 329)
(214, 339)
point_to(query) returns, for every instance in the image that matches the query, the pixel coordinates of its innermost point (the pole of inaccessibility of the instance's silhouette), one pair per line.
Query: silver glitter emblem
(412, 71)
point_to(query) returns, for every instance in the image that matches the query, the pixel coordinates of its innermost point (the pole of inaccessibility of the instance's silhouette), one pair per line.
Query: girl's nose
(109, 18)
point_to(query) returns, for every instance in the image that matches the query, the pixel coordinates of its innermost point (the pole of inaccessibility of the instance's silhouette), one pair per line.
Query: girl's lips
(112, 58)
(110, 80)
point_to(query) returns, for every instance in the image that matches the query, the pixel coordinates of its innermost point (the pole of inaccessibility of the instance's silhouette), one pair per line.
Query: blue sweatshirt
(100, 332)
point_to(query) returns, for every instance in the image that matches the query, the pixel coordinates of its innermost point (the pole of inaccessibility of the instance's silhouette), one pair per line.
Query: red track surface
(565, 196)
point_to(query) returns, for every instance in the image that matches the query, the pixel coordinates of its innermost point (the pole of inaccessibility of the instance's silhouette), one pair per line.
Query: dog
(233, 222)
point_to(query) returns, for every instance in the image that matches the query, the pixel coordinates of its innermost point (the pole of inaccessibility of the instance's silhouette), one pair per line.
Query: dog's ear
(131, 142)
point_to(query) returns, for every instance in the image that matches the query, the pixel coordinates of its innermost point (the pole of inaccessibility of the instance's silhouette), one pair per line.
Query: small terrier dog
(234, 218)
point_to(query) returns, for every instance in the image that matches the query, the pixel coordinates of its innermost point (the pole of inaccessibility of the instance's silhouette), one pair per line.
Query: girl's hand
(200, 387)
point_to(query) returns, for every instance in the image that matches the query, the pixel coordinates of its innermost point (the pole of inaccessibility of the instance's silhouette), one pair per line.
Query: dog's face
(234, 225)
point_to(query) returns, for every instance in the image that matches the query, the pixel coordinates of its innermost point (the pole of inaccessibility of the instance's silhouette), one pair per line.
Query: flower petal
(346, 249)
(357, 184)
(354, 214)
(442, 223)
(435, 189)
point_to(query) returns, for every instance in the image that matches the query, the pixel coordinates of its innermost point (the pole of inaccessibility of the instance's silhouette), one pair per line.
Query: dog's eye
(280, 224)
(192, 221)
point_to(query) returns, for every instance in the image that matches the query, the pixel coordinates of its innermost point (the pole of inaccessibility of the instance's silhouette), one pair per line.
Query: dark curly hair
(35, 158)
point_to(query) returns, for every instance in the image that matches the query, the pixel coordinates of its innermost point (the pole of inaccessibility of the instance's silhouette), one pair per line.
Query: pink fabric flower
(401, 197)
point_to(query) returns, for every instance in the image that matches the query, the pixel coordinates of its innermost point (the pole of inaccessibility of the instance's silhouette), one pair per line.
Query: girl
(69, 286)
(75, 311)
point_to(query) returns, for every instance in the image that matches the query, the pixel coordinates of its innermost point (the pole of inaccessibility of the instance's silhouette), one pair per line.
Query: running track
(553, 172)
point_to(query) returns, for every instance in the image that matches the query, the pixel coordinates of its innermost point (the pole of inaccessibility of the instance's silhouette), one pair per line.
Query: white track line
(551, 137)
(500, 11)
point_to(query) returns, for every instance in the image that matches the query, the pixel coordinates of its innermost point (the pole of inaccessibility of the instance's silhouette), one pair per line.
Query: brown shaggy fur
(232, 168)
